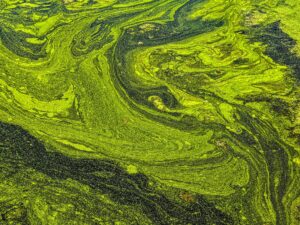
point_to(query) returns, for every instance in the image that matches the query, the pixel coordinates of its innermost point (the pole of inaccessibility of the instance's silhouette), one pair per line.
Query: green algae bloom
(180, 112)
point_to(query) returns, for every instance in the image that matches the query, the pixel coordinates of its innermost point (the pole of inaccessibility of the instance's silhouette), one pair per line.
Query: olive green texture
(120, 112)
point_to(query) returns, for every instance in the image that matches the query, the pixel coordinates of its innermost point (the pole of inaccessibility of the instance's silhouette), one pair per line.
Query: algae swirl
(150, 112)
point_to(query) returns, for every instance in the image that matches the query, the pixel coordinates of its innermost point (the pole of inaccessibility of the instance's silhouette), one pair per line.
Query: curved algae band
(149, 112)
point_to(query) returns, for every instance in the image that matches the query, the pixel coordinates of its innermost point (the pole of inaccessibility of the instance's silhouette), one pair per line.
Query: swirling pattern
(149, 112)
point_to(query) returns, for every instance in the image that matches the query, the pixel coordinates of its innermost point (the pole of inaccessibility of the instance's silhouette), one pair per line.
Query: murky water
(149, 112)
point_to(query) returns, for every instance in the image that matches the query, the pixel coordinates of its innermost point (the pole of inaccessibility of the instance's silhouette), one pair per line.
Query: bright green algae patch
(149, 112)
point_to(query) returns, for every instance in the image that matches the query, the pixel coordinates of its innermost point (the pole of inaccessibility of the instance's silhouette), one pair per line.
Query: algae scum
(150, 112)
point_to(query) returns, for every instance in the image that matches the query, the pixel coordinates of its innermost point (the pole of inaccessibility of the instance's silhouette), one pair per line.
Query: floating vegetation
(149, 112)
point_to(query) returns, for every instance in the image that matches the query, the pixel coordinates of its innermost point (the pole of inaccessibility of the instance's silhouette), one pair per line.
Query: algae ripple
(149, 112)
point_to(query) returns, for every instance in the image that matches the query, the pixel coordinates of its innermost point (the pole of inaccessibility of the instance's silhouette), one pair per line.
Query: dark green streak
(107, 177)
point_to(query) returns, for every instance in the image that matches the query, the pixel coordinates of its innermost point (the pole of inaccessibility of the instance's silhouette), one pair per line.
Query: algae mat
(149, 112)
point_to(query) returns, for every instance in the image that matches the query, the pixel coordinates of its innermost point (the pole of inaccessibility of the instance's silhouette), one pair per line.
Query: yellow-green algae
(149, 112)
